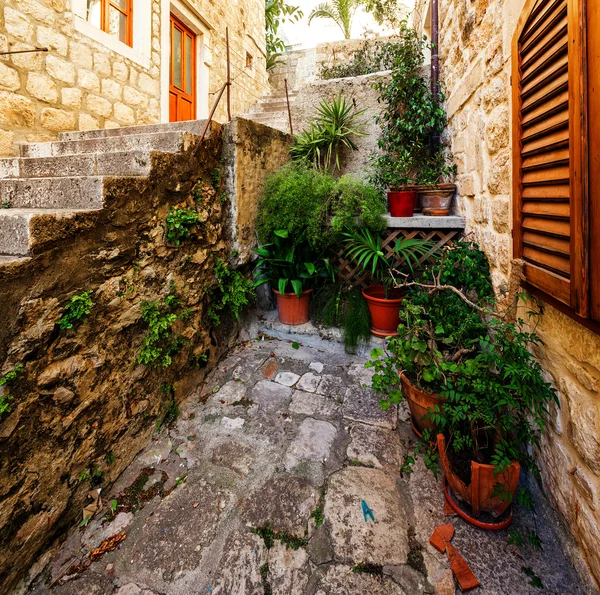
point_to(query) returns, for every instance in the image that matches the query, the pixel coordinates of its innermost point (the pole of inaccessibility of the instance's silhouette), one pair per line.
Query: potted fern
(383, 298)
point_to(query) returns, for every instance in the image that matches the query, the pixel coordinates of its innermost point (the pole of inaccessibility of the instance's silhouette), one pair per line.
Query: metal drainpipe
(435, 60)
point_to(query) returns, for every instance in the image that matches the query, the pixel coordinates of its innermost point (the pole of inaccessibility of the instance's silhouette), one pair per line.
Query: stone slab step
(193, 126)
(16, 227)
(130, 163)
(168, 142)
(84, 192)
(6, 260)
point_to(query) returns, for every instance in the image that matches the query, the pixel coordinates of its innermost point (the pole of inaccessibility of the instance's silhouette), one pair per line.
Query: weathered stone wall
(358, 90)
(82, 400)
(475, 52)
(78, 84)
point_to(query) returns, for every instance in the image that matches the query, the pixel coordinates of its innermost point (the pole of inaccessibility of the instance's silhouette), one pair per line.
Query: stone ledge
(426, 222)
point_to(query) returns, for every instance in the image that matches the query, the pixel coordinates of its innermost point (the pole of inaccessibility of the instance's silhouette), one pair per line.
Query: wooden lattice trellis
(350, 271)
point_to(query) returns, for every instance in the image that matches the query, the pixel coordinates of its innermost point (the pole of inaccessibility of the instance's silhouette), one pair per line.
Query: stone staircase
(272, 111)
(61, 178)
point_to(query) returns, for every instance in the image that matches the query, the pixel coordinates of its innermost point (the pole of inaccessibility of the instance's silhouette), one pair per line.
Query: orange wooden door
(182, 87)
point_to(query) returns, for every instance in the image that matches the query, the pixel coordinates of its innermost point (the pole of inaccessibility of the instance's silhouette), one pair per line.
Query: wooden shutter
(549, 150)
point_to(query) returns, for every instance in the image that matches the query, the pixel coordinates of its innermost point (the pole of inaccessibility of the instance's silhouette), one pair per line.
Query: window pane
(94, 12)
(117, 24)
(189, 61)
(122, 4)
(177, 68)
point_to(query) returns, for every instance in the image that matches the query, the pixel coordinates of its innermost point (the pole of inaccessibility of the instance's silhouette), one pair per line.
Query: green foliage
(535, 581)
(288, 264)
(235, 292)
(343, 306)
(180, 223)
(6, 204)
(109, 458)
(521, 538)
(172, 409)
(76, 310)
(160, 343)
(269, 537)
(495, 394)
(366, 250)
(304, 201)
(371, 56)
(411, 117)
(277, 12)
(329, 133)
(8, 378)
(386, 12)
(341, 12)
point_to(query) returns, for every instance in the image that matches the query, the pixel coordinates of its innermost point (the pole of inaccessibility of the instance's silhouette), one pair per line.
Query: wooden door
(182, 87)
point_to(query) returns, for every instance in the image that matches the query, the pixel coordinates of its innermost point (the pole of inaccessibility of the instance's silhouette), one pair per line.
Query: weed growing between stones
(317, 513)
(180, 223)
(8, 378)
(535, 581)
(6, 204)
(264, 577)
(76, 310)
(367, 568)
(172, 412)
(415, 553)
(269, 536)
(160, 343)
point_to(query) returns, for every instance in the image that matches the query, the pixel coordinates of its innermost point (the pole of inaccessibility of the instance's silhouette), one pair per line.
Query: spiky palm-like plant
(341, 12)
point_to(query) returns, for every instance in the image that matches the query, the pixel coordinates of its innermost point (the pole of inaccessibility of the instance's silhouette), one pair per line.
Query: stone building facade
(91, 79)
(476, 63)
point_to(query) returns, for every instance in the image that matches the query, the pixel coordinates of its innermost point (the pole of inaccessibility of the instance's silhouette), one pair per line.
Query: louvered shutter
(547, 149)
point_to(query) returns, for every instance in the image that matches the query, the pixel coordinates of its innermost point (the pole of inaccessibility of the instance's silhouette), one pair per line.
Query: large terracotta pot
(385, 312)
(401, 203)
(436, 200)
(419, 403)
(478, 494)
(293, 310)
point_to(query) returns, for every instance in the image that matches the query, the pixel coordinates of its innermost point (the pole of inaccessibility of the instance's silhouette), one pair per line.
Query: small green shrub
(160, 343)
(76, 310)
(172, 410)
(8, 378)
(235, 290)
(180, 223)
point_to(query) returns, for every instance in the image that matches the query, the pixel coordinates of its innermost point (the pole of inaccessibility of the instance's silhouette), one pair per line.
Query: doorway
(182, 84)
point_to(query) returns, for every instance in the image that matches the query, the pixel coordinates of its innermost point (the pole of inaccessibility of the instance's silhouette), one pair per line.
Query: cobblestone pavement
(285, 439)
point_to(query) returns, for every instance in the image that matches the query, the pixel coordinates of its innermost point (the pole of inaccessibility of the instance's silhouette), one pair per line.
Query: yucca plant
(365, 248)
(336, 123)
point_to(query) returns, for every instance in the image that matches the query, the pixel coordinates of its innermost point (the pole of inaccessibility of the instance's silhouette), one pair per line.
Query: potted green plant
(487, 394)
(434, 191)
(383, 299)
(411, 118)
(293, 271)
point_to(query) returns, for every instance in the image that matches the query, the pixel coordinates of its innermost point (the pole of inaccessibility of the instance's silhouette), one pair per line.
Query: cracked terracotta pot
(419, 403)
(293, 310)
(479, 493)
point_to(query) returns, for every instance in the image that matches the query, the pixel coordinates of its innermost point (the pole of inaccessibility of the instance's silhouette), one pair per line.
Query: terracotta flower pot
(436, 200)
(419, 403)
(385, 312)
(293, 310)
(478, 494)
(401, 203)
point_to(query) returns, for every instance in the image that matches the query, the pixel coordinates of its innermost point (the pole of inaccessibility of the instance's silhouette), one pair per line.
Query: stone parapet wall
(475, 55)
(82, 404)
(79, 84)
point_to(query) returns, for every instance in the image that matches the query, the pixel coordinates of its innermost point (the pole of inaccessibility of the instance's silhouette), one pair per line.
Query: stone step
(268, 109)
(130, 163)
(4, 259)
(193, 126)
(83, 192)
(18, 226)
(168, 142)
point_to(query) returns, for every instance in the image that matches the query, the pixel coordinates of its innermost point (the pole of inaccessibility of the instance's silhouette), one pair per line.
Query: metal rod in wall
(435, 41)
(228, 74)
(287, 98)
(23, 51)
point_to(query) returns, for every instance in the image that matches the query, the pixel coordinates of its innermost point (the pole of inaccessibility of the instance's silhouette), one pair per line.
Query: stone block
(497, 130)
(88, 80)
(9, 78)
(98, 106)
(111, 90)
(499, 174)
(102, 64)
(17, 25)
(57, 120)
(81, 55)
(147, 84)
(16, 110)
(52, 40)
(37, 11)
(124, 114)
(61, 70)
(87, 122)
(134, 98)
(71, 96)
(120, 71)
(32, 62)
(6, 142)
(42, 87)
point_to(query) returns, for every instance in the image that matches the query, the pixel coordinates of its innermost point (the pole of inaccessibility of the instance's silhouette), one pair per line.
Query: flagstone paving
(258, 489)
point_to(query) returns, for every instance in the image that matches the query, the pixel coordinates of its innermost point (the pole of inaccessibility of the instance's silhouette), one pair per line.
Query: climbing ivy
(235, 292)
(8, 379)
(76, 310)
